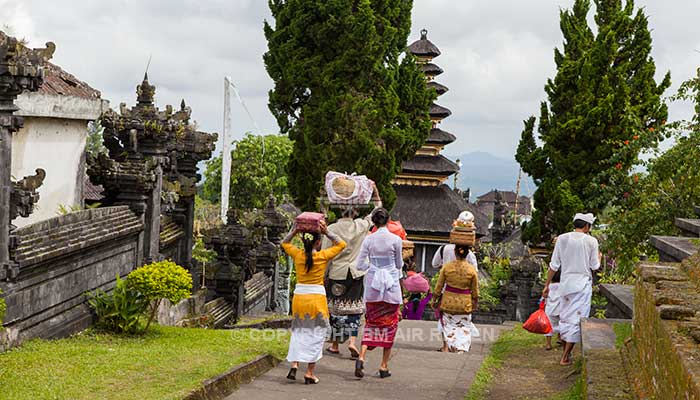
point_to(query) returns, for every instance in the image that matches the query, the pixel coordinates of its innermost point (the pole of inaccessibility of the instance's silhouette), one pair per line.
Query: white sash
(386, 276)
(303, 288)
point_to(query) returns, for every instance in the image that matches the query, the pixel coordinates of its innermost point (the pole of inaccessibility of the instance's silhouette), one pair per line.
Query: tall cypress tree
(345, 91)
(604, 108)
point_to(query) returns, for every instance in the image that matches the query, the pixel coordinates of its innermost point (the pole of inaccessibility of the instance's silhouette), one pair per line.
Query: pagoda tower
(426, 206)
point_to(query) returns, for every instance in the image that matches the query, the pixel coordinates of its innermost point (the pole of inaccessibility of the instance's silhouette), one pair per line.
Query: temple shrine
(426, 205)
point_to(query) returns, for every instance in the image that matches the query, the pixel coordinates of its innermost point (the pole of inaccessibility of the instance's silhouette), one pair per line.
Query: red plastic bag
(538, 322)
(394, 227)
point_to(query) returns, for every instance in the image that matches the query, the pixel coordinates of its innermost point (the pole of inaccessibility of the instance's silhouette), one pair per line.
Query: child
(552, 308)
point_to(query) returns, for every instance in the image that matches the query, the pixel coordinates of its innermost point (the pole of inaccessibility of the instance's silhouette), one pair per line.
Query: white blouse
(380, 255)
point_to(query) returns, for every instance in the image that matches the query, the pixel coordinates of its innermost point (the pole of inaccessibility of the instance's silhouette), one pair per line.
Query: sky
(497, 55)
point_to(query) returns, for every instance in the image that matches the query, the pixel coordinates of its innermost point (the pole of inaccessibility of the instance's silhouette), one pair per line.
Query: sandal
(354, 354)
(292, 375)
(311, 380)
(384, 373)
(359, 367)
(336, 352)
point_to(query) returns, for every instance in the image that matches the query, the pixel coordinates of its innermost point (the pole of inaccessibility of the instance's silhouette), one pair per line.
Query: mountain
(482, 172)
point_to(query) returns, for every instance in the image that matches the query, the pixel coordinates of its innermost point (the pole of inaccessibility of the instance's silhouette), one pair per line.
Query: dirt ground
(534, 373)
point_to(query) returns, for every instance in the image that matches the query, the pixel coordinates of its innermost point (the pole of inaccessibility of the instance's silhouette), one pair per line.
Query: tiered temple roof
(426, 206)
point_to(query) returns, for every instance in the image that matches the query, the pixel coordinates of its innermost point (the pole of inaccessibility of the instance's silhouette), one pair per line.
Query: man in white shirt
(576, 255)
(446, 254)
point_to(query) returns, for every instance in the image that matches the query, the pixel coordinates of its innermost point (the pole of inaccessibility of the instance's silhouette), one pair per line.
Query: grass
(508, 343)
(623, 330)
(575, 393)
(166, 363)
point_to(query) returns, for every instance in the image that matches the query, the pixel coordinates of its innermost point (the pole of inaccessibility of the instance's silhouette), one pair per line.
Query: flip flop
(354, 354)
(333, 351)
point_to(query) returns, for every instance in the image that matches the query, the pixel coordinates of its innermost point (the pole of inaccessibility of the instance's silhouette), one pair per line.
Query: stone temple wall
(666, 347)
(58, 260)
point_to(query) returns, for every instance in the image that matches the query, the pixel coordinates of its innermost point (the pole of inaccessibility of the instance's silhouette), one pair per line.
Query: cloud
(497, 55)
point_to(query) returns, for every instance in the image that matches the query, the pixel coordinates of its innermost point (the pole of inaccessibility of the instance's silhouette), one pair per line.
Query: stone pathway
(418, 371)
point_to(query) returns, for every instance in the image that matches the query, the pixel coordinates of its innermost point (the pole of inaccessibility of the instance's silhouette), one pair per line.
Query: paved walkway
(418, 371)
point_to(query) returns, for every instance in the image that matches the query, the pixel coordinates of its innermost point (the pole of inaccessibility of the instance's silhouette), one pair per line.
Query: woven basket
(343, 187)
(407, 248)
(463, 238)
(469, 228)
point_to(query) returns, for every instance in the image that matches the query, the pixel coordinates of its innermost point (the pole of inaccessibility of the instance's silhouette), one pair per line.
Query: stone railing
(666, 347)
(57, 260)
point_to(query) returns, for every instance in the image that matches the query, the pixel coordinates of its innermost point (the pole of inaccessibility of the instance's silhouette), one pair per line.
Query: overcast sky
(497, 55)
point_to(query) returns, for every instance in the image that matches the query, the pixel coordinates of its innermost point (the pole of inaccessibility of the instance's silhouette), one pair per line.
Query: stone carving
(502, 227)
(151, 166)
(243, 253)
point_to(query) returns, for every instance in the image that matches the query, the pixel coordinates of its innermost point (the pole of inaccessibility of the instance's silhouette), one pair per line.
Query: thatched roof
(432, 209)
(438, 136)
(439, 88)
(424, 47)
(438, 111)
(430, 165)
(431, 69)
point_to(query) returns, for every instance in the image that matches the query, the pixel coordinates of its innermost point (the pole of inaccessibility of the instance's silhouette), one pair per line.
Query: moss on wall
(668, 358)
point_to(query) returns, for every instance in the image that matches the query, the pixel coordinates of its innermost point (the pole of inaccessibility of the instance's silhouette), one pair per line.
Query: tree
(604, 109)
(256, 171)
(95, 143)
(669, 189)
(345, 91)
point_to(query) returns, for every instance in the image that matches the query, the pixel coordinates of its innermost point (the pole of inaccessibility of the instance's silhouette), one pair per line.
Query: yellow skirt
(309, 306)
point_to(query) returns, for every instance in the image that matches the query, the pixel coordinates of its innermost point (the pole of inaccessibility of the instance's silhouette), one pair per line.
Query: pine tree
(345, 91)
(604, 108)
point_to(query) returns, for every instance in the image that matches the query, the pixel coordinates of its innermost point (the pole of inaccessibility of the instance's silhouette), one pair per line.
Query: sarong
(346, 307)
(381, 325)
(572, 308)
(310, 324)
(457, 331)
(552, 308)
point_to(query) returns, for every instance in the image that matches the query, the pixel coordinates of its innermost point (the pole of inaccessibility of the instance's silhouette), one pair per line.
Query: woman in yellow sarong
(310, 322)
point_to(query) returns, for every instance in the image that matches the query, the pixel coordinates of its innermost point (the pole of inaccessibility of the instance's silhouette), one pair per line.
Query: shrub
(3, 308)
(160, 280)
(118, 311)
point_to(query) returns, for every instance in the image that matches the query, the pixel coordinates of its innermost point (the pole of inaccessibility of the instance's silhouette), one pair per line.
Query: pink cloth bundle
(309, 221)
(360, 194)
(416, 284)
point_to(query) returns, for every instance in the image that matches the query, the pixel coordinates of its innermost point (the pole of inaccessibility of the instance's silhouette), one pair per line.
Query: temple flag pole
(226, 151)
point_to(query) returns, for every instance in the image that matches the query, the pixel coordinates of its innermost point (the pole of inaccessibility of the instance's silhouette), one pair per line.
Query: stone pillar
(7, 125)
(188, 241)
(20, 70)
(152, 219)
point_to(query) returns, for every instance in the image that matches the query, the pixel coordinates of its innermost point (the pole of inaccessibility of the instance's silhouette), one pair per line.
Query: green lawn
(517, 363)
(166, 363)
(508, 343)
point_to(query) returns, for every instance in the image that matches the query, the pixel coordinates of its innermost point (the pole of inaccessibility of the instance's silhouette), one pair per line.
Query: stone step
(603, 368)
(620, 300)
(221, 310)
(689, 226)
(673, 248)
(82, 228)
(597, 334)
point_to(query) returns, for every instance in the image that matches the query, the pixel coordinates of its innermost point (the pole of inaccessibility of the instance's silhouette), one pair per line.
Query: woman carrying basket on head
(309, 305)
(459, 283)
